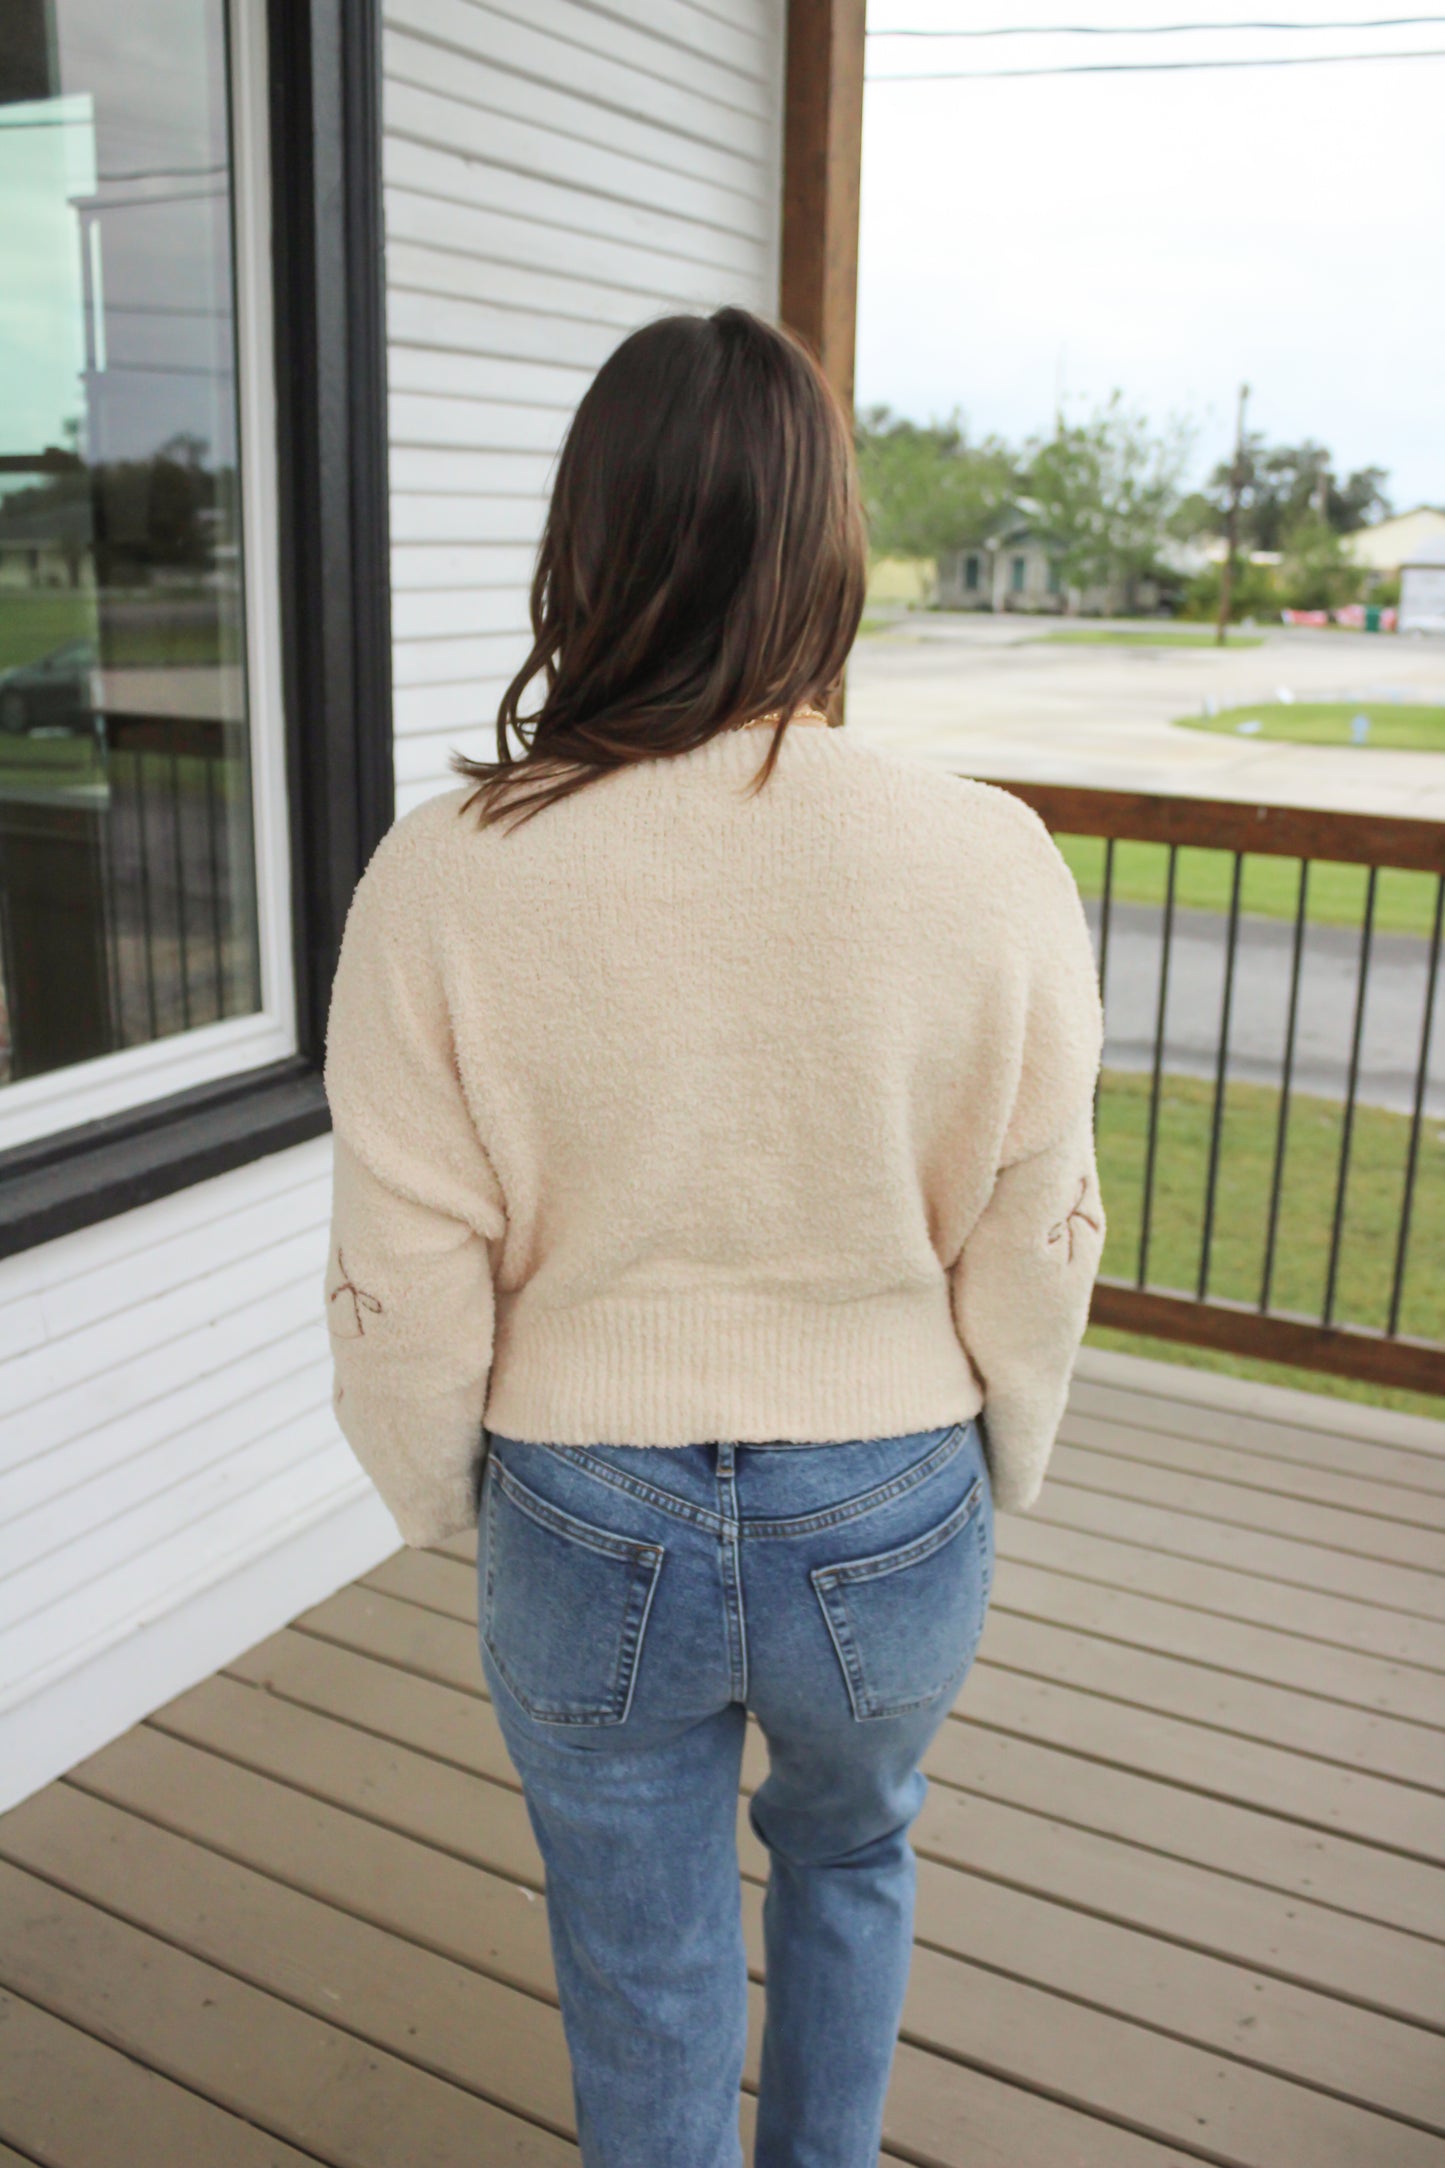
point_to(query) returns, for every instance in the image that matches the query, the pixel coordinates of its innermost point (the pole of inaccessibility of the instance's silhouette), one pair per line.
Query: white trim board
(1163, 1380)
(43, 1736)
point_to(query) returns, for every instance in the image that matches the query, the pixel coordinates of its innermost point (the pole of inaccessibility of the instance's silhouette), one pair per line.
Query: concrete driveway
(991, 697)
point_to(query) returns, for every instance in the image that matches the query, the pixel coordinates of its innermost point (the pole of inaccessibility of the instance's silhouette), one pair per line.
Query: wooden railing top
(1227, 824)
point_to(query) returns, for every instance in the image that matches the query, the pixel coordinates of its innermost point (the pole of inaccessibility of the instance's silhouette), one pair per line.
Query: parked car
(51, 695)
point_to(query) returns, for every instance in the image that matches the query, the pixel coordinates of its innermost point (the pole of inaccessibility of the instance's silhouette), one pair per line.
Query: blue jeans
(634, 1603)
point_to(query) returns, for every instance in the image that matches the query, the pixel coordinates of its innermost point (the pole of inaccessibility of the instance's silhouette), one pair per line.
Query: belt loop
(726, 1457)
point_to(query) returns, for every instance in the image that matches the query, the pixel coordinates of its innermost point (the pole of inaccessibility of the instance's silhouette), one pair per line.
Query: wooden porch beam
(822, 154)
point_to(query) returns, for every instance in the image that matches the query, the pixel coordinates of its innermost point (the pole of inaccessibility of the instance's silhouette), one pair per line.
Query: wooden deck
(1181, 1894)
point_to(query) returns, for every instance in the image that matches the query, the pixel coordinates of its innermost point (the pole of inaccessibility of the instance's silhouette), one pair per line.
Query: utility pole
(1231, 523)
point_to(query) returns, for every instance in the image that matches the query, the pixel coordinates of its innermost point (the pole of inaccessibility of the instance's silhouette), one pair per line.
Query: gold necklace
(775, 715)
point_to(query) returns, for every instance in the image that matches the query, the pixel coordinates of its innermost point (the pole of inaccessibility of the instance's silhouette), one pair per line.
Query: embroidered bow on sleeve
(1022, 1283)
(416, 1210)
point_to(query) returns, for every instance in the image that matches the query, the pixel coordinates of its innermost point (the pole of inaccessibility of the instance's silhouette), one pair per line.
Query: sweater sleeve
(1022, 1281)
(416, 1210)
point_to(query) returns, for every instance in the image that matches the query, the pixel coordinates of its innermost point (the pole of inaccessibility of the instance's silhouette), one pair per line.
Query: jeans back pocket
(906, 1622)
(563, 1605)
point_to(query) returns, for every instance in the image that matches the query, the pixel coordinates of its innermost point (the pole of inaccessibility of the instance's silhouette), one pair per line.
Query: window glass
(970, 573)
(1018, 568)
(127, 873)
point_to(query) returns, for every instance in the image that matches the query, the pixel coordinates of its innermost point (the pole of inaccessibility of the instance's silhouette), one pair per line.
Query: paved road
(1394, 1008)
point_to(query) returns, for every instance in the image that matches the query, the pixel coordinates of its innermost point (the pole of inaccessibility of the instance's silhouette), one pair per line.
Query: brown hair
(703, 560)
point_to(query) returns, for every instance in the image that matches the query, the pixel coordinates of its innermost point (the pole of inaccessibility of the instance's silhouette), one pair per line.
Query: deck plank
(1296, 1787)
(1180, 1532)
(1355, 1526)
(1213, 1405)
(1197, 1689)
(462, 2026)
(1123, 1763)
(1232, 1591)
(76, 2103)
(397, 1883)
(315, 2086)
(1298, 1474)
(1244, 1679)
(1180, 1883)
(404, 1787)
(454, 2019)
(1016, 1770)
(1230, 1647)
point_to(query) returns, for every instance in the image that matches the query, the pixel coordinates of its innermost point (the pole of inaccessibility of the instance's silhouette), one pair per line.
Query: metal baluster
(109, 830)
(1367, 929)
(1285, 1081)
(1167, 936)
(142, 830)
(217, 938)
(1106, 898)
(1422, 1072)
(1217, 1122)
(183, 955)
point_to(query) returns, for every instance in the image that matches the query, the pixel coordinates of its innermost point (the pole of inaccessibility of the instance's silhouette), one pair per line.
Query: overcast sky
(1169, 234)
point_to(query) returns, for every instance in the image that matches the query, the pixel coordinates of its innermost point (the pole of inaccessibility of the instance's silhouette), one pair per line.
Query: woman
(715, 1196)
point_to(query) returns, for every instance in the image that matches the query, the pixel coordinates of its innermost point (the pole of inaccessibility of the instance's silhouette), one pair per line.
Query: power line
(1154, 30)
(1151, 67)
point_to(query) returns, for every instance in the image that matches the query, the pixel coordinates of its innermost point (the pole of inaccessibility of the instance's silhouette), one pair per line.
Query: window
(140, 731)
(971, 573)
(1056, 579)
(192, 555)
(1018, 568)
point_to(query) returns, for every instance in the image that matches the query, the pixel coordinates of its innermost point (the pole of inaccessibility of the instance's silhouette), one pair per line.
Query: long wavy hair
(703, 561)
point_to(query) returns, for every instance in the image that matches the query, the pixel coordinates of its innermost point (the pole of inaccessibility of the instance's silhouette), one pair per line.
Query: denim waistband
(597, 1463)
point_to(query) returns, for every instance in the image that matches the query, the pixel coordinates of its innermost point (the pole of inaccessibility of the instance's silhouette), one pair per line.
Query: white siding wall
(556, 174)
(172, 1485)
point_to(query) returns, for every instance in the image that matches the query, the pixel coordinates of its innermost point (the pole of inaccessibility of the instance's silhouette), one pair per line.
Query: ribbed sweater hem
(690, 1367)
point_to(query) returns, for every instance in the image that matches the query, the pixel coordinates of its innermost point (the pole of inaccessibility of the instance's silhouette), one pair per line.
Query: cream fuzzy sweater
(679, 1114)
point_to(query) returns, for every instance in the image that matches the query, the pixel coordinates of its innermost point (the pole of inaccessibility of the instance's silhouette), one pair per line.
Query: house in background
(278, 465)
(1422, 588)
(1018, 565)
(1390, 544)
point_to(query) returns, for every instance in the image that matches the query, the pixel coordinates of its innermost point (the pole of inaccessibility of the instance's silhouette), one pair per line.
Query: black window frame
(324, 110)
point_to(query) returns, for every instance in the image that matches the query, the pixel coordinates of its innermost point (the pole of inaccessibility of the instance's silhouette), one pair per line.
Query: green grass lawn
(1394, 727)
(72, 767)
(1367, 1253)
(34, 622)
(1130, 636)
(1404, 902)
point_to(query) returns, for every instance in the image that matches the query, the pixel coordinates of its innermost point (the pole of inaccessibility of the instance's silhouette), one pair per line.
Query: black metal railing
(127, 886)
(181, 944)
(1284, 1031)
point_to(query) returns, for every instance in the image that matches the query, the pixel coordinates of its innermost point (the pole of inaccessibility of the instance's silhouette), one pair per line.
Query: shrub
(1254, 593)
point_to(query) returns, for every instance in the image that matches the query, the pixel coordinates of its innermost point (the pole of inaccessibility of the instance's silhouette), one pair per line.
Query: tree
(926, 488)
(1285, 484)
(1106, 490)
(1316, 573)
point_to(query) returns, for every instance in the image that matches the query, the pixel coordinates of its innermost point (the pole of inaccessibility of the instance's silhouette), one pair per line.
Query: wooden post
(822, 155)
